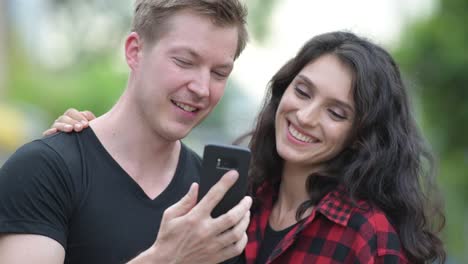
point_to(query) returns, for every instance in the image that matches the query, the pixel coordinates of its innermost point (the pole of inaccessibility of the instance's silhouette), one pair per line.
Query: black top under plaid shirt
(335, 232)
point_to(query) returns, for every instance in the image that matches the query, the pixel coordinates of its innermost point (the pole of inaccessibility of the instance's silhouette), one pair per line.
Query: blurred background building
(56, 54)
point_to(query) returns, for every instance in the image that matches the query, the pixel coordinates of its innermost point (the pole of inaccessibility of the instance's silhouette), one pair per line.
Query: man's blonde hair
(151, 16)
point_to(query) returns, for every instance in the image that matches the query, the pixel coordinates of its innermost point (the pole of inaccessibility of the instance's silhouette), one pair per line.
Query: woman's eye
(301, 91)
(336, 115)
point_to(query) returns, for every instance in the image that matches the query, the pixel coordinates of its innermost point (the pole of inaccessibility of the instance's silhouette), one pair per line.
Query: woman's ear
(133, 50)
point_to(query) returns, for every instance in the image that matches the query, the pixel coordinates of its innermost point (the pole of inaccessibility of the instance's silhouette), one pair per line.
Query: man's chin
(178, 133)
(180, 130)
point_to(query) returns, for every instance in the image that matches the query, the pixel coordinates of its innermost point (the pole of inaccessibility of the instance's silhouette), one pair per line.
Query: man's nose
(200, 84)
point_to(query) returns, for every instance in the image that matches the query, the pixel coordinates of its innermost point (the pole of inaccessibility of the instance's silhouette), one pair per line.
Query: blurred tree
(3, 45)
(259, 18)
(93, 76)
(434, 55)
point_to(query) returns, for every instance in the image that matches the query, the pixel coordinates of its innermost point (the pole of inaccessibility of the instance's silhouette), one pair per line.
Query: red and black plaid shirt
(335, 232)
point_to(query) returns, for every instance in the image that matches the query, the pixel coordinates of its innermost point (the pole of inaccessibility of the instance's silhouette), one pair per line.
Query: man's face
(181, 78)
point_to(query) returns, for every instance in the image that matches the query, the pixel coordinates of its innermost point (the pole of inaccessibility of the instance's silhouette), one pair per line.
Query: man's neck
(150, 160)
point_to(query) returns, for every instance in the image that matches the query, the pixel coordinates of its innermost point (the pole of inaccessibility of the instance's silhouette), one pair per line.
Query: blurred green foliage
(259, 18)
(434, 57)
(86, 85)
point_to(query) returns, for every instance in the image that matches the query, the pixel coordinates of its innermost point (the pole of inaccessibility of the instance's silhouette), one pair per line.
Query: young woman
(340, 173)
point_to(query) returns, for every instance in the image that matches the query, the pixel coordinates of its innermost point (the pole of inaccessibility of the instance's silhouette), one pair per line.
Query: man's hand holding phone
(190, 234)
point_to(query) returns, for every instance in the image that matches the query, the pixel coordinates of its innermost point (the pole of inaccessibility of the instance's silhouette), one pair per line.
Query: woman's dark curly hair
(386, 162)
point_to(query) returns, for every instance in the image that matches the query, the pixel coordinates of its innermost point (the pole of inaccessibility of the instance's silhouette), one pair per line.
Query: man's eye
(182, 62)
(220, 75)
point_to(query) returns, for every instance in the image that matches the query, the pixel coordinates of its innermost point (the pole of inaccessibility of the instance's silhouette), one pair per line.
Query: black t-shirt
(270, 240)
(68, 187)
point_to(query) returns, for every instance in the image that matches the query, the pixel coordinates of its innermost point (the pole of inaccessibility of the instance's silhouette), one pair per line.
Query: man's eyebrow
(312, 86)
(228, 65)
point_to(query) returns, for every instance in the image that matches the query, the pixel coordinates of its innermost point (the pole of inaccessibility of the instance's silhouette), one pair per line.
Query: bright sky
(295, 21)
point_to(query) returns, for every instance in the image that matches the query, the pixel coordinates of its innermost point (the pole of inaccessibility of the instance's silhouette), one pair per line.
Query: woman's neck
(292, 193)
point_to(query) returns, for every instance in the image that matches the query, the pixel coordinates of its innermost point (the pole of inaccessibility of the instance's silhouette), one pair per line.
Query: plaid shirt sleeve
(335, 232)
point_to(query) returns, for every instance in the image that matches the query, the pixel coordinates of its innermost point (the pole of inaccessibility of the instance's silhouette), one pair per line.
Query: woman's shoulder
(360, 214)
(366, 229)
(369, 218)
(376, 230)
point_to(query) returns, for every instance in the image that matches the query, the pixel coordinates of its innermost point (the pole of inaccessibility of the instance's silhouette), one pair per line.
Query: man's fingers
(184, 205)
(217, 192)
(235, 234)
(238, 247)
(233, 249)
(233, 216)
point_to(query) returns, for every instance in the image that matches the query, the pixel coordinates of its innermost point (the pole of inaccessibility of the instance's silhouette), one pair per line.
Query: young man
(123, 189)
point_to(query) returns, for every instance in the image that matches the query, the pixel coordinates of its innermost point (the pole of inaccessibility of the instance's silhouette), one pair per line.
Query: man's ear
(133, 50)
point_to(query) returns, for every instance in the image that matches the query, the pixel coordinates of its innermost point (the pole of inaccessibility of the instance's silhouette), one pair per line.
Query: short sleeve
(36, 193)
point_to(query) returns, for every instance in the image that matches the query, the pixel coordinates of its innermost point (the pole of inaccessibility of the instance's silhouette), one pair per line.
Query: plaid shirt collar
(335, 206)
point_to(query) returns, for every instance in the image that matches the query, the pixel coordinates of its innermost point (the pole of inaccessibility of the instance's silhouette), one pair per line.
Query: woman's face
(316, 113)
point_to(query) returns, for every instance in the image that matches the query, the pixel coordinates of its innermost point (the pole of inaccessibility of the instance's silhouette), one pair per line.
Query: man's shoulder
(71, 146)
(41, 148)
(60, 149)
(35, 150)
(62, 141)
(39, 190)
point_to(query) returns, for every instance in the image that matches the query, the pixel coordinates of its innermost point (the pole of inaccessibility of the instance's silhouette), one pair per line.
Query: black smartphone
(217, 160)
